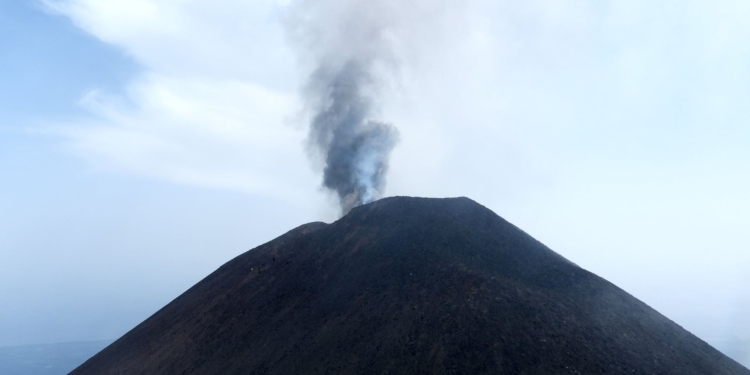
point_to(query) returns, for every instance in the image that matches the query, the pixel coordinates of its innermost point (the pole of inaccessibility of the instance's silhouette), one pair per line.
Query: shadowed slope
(411, 286)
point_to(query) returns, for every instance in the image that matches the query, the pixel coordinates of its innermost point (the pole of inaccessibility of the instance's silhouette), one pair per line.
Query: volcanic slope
(407, 286)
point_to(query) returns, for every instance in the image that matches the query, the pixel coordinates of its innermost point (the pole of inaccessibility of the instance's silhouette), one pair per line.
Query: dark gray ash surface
(407, 286)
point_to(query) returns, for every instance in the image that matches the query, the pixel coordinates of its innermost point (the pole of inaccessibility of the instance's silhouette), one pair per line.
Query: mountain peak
(413, 286)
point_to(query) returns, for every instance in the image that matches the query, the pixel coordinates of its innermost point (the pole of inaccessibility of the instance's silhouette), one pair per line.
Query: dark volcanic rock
(407, 286)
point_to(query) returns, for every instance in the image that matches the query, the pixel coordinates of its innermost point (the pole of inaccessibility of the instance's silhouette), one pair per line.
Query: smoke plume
(355, 147)
(351, 47)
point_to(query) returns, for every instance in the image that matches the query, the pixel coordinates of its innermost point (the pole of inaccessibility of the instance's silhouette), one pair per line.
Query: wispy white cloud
(216, 134)
(212, 105)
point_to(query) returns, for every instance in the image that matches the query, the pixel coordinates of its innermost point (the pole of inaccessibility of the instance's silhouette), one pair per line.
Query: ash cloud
(355, 146)
(349, 46)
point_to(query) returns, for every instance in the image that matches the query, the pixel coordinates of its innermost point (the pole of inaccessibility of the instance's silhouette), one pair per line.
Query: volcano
(407, 286)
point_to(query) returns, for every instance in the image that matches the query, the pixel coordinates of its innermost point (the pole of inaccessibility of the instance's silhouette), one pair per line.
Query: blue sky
(48, 62)
(144, 143)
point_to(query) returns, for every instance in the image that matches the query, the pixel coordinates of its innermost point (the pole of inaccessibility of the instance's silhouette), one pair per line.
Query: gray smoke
(355, 147)
(350, 45)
